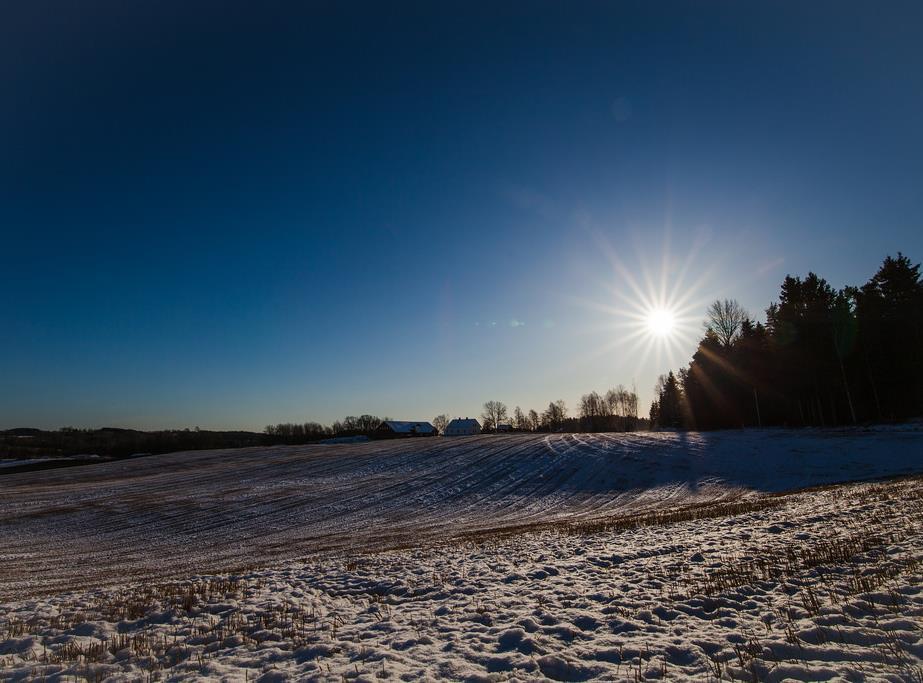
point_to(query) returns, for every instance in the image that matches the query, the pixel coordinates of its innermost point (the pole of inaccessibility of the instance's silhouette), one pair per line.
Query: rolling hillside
(188, 513)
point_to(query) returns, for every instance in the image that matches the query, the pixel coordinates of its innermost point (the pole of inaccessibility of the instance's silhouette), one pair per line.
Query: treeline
(823, 357)
(289, 432)
(614, 411)
(496, 416)
(25, 443)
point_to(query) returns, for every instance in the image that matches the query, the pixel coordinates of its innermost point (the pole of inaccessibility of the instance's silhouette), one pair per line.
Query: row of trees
(496, 413)
(615, 410)
(298, 432)
(823, 357)
(351, 425)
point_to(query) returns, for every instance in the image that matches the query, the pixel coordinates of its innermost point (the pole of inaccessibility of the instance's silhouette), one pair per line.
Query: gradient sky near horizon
(229, 214)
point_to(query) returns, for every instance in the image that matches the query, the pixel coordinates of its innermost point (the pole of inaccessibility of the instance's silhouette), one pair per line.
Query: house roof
(459, 423)
(404, 427)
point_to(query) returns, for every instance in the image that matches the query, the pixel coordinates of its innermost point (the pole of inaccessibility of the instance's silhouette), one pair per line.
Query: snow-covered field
(567, 557)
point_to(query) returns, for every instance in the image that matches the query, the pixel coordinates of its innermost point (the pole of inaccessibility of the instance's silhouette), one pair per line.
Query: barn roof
(403, 427)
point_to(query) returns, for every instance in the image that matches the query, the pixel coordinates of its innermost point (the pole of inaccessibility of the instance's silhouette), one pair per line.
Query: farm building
(460, 427)
(395, 429)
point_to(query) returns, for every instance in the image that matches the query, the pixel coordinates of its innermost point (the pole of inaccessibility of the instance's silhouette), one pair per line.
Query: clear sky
(246, 213)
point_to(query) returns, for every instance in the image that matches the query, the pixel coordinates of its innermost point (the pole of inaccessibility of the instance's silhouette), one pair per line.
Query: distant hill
(115, 442)
(22, 431)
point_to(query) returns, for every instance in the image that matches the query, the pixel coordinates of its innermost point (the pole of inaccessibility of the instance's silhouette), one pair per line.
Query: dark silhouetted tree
(724, 319)
(824, 357)
(520, 421)
(889, 317)
(554, 415)
(494, 413)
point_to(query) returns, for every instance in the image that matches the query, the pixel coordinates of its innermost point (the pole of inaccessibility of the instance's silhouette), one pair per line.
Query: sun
(661, 322)
(651, 315)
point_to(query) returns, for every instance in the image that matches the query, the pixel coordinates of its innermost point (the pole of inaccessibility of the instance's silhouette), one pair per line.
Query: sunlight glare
(661, 322)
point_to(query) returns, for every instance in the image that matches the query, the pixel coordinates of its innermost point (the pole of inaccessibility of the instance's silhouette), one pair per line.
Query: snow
(565, 557)
(211, 511)
(344, 439)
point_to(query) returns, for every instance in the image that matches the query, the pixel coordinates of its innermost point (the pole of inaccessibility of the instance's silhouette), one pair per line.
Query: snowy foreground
(522, 557)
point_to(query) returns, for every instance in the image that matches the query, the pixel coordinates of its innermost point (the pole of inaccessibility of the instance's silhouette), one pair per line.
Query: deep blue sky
(254, 212)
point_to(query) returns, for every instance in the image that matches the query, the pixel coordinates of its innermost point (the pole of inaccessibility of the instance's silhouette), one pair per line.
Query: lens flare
(648, 306)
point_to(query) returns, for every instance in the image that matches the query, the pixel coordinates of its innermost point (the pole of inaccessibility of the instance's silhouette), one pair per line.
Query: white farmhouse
(460, 427)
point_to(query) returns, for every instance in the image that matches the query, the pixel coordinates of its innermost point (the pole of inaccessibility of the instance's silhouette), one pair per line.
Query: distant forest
(823, 357)
(110, 442)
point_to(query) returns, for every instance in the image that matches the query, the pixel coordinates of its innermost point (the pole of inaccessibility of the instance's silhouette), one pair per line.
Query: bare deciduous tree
(440, 422)
(659, 385)
(520, 421)
(554, 415)
(367, 423)
(724, 319)
(592, 405)
(633, 403)
(622, 403)
(494, 413)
